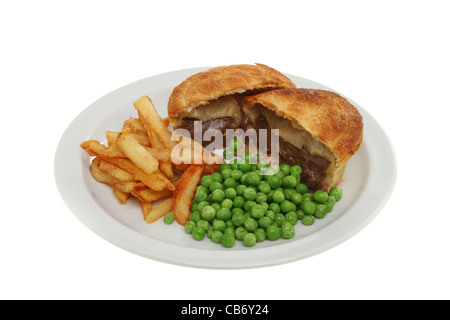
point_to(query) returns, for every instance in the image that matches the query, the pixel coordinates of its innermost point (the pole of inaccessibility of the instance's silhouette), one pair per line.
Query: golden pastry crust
(214, 83)
(325, 115)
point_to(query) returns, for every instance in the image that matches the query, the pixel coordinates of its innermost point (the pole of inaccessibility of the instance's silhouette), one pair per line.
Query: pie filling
(314, 167)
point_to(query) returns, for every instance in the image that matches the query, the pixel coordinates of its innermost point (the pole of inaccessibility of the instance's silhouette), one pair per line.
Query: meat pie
(318, 130)
(215, 96)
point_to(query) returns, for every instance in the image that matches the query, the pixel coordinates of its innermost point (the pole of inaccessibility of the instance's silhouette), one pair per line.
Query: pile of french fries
(139, 161)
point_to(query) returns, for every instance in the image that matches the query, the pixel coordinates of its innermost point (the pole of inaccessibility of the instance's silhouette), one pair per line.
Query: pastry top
(214, 83)
(325, 115)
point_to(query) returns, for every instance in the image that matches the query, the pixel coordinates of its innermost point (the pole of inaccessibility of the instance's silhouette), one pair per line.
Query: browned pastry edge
(209, 85)
(326, 115)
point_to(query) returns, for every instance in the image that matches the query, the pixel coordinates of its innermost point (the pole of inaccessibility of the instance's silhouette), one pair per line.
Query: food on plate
(184, 193)
(214, 96)
(138, 162)
(318, 130)
(238, 203)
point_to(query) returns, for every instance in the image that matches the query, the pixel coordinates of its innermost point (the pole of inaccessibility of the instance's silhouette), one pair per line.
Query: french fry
(166, 122)
(120, 195)
(184, 192)
(140, 136)
(137, 153)
(152, 121)
(163, 155)
(134, 124)
(147, 207)
(149, 195)
(96, 149)
(103, 177)
(159, 211)
(115, 171)
(165, 167)
(156, 181)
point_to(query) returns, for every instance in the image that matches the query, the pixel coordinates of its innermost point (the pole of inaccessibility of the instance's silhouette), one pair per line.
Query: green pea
(250, 224)
(223, 214)
(189, 226)
(274, 182)
(228, 240)
(280, 175)
(224, 166)
(264, 222)
(219, 225)
(279, 219)
(217, 177)
(217, 236)
(270, 214)
(198, 233)
(240, 189)
(278, 196)
(229, 229)
(250, 194)
(336, 193)
(227, 203)
(265, 205)
(208, 213)
(216, 206)
(260, 235)
(203, 224)
(247, 215)
(300, 214)
(249, 240)
(195, 216)
(236, 144)
(240, 232)
(275, 207)
(287, 230)
(287, 206)
(330, 203)
(218, 195)
(201, 188)
(248, 205)
(297, 198)
(230, 183)
(320, 196)
(321, 211)
(245, 167)
(201, 196)
(288, 193)
(215, 186)
(236, 174)
(206, 180)
(273, 233)
(301, 188)
(238, 202)
(292, 218)
(308, 220)
(228, 154)
(289, 181)
(194, 206)
(307, 197)
(235, 210)
(243, 178)
(201, 205)
(285, 168)
(270, 196)
(226, 173)
(258, 211)
(261, 197)
(252, 179)
(264, 187)
(308, 207)
(209, 233)
(296, 170)
(230, 193)
(238, 219)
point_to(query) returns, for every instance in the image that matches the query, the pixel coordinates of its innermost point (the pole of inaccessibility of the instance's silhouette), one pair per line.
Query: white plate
(368, 182)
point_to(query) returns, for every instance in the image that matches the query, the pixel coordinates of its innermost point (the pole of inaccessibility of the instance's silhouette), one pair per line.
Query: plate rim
(130, 239)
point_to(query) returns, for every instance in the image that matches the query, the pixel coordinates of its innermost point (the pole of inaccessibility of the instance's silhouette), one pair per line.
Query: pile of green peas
(251, 202)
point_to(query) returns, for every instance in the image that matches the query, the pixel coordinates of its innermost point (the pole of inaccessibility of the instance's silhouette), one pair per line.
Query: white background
(57, 57)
